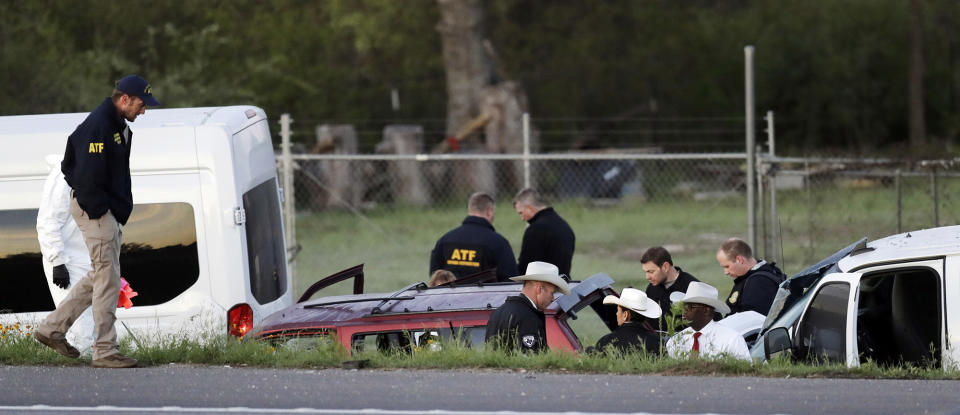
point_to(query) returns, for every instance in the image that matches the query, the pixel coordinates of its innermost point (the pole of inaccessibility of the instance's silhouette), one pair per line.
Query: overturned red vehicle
(405, 319)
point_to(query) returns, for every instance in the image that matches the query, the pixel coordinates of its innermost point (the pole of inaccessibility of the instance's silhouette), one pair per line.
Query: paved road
(184, 389)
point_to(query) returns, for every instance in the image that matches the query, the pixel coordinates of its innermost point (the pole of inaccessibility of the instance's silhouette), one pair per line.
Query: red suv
(411, 317)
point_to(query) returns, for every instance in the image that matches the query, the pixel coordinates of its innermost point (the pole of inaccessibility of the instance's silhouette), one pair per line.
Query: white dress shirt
(715, 340)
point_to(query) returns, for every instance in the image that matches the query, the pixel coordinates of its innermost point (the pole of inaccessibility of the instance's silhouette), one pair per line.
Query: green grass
(20, 349)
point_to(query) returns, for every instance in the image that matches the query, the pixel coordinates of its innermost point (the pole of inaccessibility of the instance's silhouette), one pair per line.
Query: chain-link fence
(388, 208)
(388, 211)
(812, 207)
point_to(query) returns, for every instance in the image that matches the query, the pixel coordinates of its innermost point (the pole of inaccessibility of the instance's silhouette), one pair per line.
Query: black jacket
(662, 295)
(548, 239)
(632, 336)
(96, 163)
(517, 325)
(472, 247)
(756, 289)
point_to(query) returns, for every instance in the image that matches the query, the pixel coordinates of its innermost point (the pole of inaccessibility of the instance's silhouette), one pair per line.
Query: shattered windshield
(795, 287)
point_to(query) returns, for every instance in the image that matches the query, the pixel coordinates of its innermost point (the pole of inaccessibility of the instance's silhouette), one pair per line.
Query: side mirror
(775, 342)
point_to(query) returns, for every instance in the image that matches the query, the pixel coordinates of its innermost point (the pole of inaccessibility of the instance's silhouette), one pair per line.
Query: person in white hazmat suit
(65, 256)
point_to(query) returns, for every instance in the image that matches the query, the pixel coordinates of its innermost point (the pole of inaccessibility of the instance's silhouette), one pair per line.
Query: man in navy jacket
(96, 165)
(475, 246)
(548, 238)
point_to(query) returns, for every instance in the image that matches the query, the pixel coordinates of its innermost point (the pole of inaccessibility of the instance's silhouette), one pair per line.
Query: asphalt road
(185, 389)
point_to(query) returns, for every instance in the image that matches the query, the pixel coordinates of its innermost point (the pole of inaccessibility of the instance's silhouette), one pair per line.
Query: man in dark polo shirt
(475, 246)
(664, 279)
(755, 282)
(548, 237)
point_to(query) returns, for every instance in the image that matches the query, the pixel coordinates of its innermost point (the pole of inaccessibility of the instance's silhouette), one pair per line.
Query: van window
(158, 257)
(268, 271)
(24, 287)
(822, 333)
(159, 253)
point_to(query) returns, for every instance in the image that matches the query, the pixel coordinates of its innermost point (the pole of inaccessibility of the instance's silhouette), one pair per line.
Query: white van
(890, 301)
(204, 246)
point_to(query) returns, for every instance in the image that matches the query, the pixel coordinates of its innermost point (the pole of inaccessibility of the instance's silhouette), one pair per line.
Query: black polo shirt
(472, 247)
(96, 163)
(662, 295)
(548, 239)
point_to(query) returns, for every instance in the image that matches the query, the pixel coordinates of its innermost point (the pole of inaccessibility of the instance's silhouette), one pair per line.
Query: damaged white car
(895, 300)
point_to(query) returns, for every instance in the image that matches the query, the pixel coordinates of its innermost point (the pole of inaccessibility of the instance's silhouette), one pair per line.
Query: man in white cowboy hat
(635, 313)
(519, 324)
(704, 337)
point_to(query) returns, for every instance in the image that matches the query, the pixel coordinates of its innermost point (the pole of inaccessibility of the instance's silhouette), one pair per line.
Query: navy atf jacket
(548, 239)
(472, 247)
(96, 163)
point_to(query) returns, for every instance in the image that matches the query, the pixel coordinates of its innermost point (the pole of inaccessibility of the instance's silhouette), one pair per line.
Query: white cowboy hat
(636, 300)
(542, 271)
(701, 293)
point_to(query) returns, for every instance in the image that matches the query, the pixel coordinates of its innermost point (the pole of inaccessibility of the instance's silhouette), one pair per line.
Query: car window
(267, 261)
(409, 341)
(822, 332)
(158, 257)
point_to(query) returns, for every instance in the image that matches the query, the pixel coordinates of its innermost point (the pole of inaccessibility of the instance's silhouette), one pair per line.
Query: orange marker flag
(126, 293)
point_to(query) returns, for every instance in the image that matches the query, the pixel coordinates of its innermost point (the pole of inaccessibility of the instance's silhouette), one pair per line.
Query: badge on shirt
(116, 138)
(733, 297)
(528, 341)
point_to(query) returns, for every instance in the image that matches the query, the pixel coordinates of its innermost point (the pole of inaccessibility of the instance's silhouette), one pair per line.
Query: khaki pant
(100, 288)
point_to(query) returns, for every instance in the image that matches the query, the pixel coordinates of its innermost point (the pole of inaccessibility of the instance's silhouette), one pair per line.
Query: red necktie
(696, 341)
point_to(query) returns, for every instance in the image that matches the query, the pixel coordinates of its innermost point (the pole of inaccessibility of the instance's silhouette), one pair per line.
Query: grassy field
(394, 243)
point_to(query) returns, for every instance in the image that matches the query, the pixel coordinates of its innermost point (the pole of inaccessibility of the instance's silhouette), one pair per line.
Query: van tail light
(239, 320)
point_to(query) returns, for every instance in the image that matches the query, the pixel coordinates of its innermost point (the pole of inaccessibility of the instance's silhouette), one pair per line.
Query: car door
(826, 332)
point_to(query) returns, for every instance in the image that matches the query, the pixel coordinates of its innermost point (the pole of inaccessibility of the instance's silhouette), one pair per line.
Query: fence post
(289, 205)
(899, 203)
(936, 198)
(771, 175)
(751, 150)
(526, 149)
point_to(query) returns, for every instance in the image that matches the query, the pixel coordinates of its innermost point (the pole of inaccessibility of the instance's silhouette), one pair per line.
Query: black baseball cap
(135, 85)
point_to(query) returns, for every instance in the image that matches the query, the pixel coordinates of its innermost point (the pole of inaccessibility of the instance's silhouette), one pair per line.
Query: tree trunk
(467, 66)
(915, 89)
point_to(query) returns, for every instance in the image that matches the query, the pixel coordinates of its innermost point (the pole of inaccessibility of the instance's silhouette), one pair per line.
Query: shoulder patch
(528, 341)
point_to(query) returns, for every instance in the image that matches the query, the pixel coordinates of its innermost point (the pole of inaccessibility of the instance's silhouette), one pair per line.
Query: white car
(892, 301)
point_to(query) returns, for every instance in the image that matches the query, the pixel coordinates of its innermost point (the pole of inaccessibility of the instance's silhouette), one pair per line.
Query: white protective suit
(62, 243)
